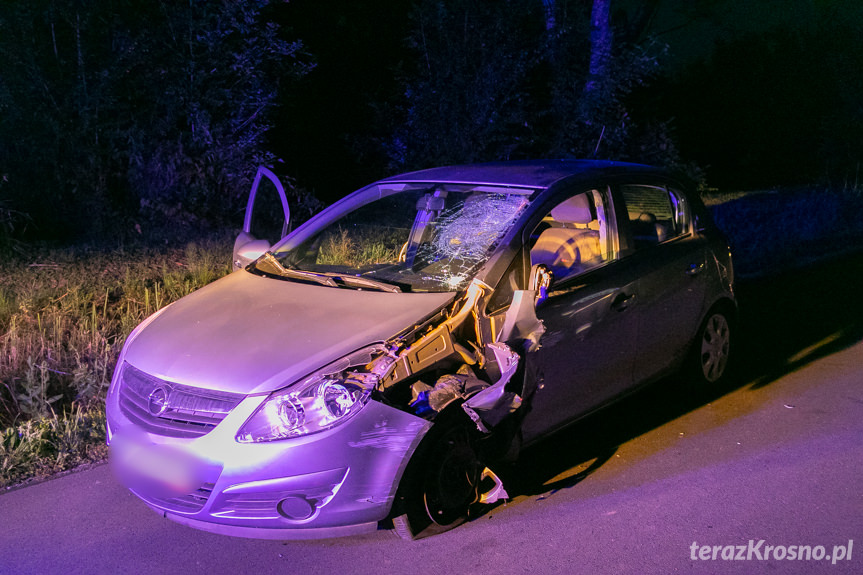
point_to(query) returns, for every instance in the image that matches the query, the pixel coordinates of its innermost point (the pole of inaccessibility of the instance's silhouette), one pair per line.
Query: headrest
(575, 210)
(647, 218)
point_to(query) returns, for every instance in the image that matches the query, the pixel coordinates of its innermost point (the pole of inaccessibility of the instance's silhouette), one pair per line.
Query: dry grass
(64, 315)
(376, 247)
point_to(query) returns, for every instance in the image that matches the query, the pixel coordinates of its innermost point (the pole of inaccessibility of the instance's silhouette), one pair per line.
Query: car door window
(268, 220)
(671, 289)
(575, 235)
(655, 214)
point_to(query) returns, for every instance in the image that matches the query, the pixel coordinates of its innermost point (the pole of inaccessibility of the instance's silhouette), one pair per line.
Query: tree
(114, 109)
(465, 95)
(514, 79)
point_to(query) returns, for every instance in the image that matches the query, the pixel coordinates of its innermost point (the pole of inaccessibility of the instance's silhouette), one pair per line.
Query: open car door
(258, 233)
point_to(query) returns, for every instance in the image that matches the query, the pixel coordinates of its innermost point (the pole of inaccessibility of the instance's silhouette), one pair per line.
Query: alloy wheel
(715, 347)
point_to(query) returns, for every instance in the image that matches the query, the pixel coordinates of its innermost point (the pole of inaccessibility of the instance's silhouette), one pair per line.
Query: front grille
(191, 503)
(171, 409)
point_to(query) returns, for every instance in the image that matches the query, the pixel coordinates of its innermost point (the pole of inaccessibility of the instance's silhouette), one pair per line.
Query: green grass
(64, 315)
(370, 246)
(788, 229)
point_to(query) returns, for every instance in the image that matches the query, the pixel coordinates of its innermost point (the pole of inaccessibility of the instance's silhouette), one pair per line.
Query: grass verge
(771, 231)
(64, 315)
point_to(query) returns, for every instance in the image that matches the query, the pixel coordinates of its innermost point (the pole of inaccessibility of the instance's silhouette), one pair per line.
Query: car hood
(249, 334)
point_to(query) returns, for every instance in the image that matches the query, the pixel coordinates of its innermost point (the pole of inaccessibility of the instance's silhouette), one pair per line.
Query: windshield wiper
(359, 281)
(270, 264)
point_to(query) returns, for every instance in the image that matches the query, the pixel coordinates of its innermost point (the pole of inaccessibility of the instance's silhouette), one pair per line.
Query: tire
(711, 355)
(440, 483)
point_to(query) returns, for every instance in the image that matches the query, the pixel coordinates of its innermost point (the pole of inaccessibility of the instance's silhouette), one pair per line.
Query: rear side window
(655, 214)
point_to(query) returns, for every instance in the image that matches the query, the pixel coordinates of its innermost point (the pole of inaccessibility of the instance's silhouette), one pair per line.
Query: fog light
(295, 508)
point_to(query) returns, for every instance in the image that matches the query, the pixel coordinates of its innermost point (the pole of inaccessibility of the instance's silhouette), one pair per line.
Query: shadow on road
(786, 322)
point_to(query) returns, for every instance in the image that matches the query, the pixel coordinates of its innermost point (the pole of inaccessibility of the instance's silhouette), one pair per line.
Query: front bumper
(337, 482)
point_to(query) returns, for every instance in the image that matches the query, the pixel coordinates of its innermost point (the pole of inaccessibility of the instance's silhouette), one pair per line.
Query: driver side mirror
(247, 249)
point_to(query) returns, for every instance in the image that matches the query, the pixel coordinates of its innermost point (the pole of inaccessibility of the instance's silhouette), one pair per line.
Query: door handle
(622, 301)
(695, 269)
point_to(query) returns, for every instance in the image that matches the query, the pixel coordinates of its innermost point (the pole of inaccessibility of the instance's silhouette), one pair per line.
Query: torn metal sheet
(446, 389)
(521, 323)
(434, 346)
(490, 406)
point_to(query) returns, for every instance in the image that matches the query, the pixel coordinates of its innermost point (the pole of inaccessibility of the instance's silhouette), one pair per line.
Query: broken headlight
(322, 401)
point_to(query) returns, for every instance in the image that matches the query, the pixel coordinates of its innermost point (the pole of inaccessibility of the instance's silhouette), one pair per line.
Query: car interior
(568, 240)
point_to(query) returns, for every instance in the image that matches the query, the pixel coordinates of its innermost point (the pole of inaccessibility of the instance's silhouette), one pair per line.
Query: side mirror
(247, 249)
(539, 281)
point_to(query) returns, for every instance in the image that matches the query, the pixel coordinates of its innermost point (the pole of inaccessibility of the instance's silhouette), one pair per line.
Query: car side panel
(587, 352)
(673, 282)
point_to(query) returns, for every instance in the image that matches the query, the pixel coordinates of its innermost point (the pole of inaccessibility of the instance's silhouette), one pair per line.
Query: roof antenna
(599, 141)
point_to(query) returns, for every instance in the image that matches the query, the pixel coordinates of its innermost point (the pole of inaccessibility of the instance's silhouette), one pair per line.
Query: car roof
(538, 174)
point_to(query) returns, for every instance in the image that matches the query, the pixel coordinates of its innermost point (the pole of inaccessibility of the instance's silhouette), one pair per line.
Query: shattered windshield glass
(417, 237)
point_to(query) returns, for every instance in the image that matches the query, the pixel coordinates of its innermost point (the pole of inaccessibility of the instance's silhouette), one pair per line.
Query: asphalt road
(776, 456)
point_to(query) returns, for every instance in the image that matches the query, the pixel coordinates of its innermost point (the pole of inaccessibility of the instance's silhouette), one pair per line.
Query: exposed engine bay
(458, 357)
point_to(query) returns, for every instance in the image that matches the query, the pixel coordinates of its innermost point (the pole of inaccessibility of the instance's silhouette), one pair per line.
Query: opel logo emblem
(157, 402)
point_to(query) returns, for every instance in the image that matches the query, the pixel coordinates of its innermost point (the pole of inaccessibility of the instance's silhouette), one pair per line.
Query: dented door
(586, 355)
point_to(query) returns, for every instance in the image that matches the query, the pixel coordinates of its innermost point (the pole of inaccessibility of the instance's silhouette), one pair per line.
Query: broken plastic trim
(493, 404)
(520, 323)
(436, 345)
(486, 404)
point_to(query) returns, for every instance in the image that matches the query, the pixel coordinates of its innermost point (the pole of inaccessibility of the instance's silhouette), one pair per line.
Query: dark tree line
(522, 78)
(782, 107)
(135, 109)
(131, 112)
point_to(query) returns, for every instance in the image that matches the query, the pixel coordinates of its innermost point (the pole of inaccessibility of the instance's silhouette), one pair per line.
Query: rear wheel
(712, 348)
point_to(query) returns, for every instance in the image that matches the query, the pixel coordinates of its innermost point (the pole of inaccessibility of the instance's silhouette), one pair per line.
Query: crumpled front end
(336, 482)
(192, 455)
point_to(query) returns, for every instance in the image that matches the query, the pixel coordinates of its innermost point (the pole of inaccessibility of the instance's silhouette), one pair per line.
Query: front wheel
(440, 484)
(711, 352)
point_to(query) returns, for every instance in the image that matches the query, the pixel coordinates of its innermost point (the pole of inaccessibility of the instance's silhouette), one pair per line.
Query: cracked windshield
(404, 237)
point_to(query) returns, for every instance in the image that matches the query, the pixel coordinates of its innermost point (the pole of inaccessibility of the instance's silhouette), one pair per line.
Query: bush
(108, 110)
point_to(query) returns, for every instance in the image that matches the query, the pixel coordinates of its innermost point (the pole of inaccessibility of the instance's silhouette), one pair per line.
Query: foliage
(111, 109)
(363, 247)
(790, 228)
(46, 446)
(64, 315)
(465, 93)
(597, 117)
(491, 81)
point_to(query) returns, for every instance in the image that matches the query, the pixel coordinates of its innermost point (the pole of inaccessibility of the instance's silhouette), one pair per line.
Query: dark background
(128, 115)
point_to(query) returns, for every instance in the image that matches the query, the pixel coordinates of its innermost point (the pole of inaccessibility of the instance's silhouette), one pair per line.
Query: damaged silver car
(372, 367)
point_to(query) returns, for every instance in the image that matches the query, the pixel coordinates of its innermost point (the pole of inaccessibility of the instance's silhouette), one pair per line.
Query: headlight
(326, 399)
